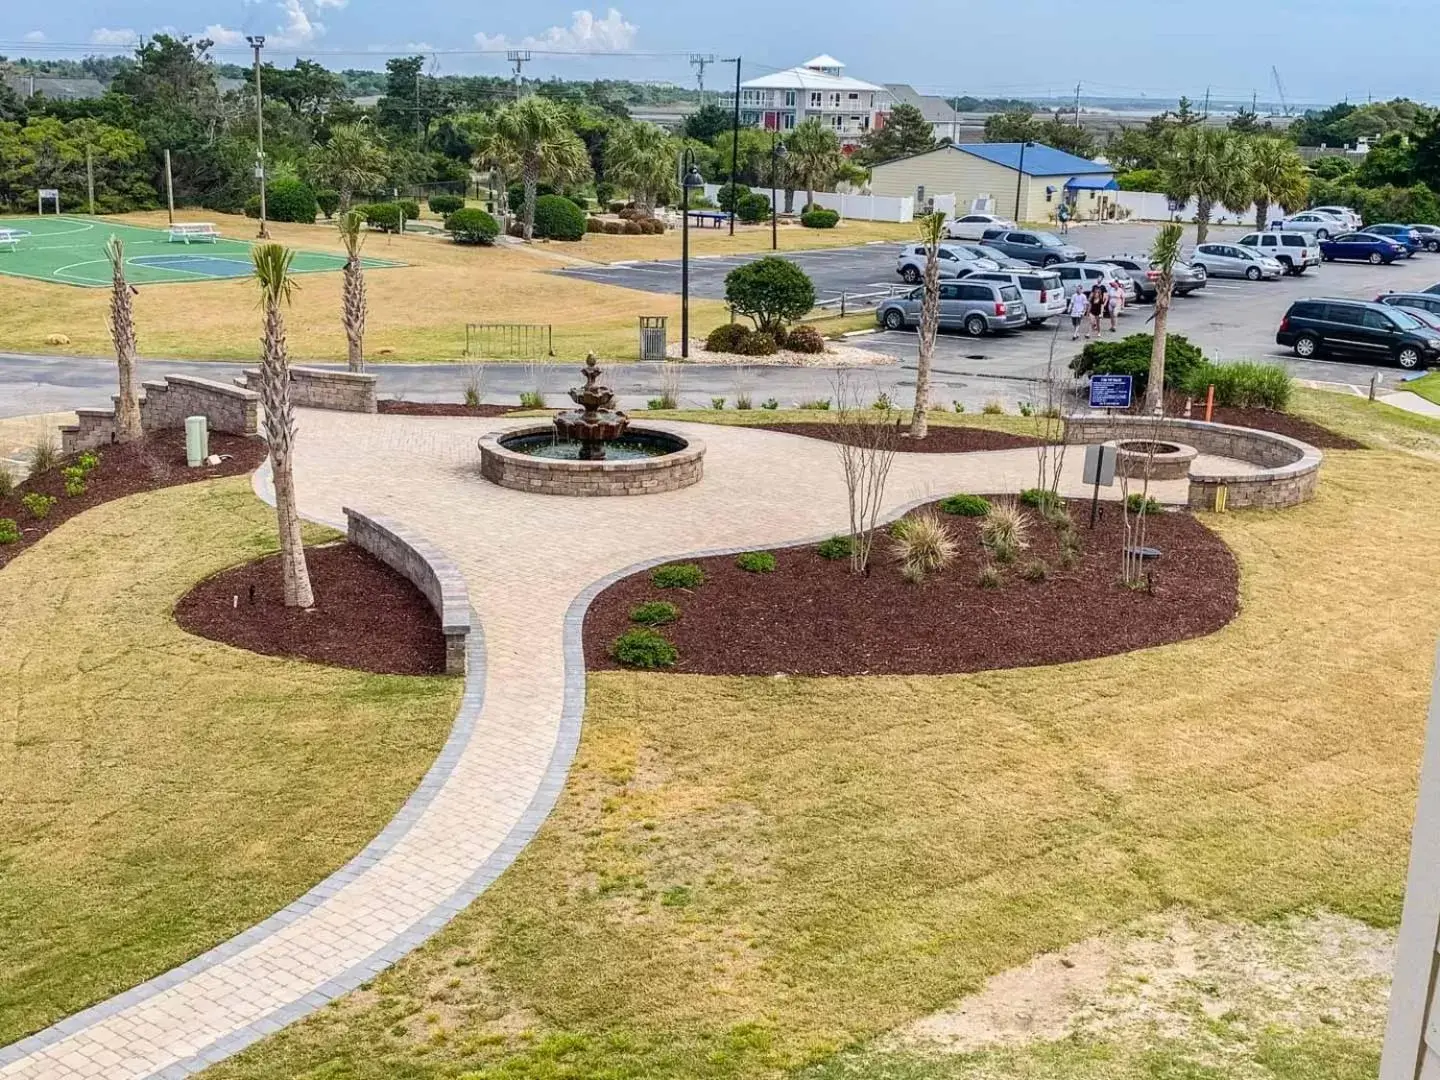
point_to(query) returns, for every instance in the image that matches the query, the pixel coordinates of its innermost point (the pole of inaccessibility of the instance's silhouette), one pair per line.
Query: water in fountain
(595, 423)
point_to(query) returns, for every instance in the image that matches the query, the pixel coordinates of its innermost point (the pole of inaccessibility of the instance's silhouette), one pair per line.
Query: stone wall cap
(454, 597)
(211, 385)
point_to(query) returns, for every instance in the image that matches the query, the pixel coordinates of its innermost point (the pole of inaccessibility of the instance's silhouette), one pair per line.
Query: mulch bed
(813, 617)
(391, 407)
(366, 616)
(154, 462)
(940, 440)
(1296, 427)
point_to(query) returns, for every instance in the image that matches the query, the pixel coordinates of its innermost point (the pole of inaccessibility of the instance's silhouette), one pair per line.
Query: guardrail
(848, 302)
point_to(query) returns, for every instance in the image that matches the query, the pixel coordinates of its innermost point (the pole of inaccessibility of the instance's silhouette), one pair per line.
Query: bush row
(632, 227)
(741, 340)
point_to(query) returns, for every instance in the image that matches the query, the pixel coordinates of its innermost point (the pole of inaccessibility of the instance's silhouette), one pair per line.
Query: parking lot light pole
(692, 180)
(1019, 176)
(778, 153)
(257, 42)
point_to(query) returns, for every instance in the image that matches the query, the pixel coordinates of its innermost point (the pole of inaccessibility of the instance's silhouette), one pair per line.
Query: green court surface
(70, 250)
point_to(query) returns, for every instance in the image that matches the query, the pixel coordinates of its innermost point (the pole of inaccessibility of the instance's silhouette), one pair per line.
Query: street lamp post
(692, 180)
(1019, 176)
(778, 153)
(257, 42)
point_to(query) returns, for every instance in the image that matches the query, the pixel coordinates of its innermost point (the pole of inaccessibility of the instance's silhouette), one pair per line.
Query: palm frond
(272, 271)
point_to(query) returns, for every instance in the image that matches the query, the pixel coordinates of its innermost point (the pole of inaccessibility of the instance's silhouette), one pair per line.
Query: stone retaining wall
(1289, 468)
(547, 476)
(320, 388)
(165, 404)
(427, 567)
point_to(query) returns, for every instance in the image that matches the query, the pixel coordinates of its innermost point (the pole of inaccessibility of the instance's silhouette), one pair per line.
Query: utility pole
(257, 42)
(169, 187)
(419, 123)
(90, 177)
(1206, 114)
(518, 57)
(734, 142)
(699, 61)
(1077, 104)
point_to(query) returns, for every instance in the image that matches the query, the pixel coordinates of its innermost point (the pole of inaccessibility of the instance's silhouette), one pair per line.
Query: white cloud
(298, 26)
(585, 34)
(323, 4)
(35, 35)
(102, 35)
(223, 36)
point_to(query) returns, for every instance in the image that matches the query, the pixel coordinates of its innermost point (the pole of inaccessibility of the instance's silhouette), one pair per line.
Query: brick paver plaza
(531, 562)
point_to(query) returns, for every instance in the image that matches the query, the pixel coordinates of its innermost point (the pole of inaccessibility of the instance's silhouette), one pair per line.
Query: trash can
(197, 441)
(652, 337)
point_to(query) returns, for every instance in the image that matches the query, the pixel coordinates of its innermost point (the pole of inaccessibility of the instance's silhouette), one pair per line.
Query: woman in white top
(1114, 302)
(1079, 308)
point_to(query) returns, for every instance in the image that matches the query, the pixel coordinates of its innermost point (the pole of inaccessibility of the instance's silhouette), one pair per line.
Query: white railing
(1154, 206)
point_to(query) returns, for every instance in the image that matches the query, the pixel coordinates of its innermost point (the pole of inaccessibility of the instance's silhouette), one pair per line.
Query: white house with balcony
(818, 89)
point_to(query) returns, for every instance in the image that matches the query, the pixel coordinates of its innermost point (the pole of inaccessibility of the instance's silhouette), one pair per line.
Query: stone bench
(427, 568)
(320, 388)
(1288, 470)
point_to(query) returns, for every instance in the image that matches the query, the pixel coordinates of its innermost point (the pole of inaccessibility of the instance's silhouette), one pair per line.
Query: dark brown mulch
(940, 440)
(1296, 427)
(156, 461)
(813, 617)
(391, 407)
(366, 616)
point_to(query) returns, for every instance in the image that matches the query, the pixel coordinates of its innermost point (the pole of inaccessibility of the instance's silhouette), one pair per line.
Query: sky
(1023, 48)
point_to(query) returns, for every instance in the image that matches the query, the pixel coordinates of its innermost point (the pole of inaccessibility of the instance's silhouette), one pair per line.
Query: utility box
(197, 441)
(653, 345)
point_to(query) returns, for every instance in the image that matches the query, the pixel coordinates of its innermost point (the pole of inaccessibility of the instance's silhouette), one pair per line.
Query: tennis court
(70, 250)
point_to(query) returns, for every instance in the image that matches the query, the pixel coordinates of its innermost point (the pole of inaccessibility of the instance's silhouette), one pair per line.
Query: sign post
(1099, 470)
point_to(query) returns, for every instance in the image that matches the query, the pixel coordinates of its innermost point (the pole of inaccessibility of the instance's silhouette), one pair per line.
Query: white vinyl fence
(860, 207)
(1153, 206)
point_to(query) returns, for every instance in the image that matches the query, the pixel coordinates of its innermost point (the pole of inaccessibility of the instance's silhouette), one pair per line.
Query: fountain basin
(644, 461)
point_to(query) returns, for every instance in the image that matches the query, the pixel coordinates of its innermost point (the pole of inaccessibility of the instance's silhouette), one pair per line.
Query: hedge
(445, 205)
(290, 200)
(382, 216)
(820, 218)
(472, 226)
(557, 218)
(752, 208)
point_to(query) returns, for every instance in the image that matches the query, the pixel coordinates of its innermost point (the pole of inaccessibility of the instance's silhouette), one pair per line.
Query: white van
(1296, 251)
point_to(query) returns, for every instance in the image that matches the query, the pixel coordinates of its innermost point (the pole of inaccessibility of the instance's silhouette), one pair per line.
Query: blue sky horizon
(1157, 51)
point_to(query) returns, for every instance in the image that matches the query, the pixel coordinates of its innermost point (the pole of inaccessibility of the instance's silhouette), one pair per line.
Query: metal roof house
(818, 89)
(994, 171)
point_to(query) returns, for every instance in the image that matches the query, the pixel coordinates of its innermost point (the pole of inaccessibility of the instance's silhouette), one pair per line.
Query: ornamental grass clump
(756, 562)
(654, 613)
(644, 648)
(1004, 532)
(44, 454)
(677, 576)
(924, 547)
(7, 483)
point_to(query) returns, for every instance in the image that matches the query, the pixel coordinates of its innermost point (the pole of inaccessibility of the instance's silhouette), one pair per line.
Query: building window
(815, 99)
(835, 100)
(837, 122)
(790, 98)
(854, 96)
(753, 97)
(788, 121)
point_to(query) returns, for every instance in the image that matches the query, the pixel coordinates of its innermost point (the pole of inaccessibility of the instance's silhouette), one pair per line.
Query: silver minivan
(1232, 260)
(1042, 290)
(954, 262)
(1295, 251)
(976, 307)
(1082, 277)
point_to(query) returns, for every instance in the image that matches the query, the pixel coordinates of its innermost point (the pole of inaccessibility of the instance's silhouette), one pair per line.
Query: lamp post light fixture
(257, 42)
(692, 180)
(778, 153)
(1019, 176)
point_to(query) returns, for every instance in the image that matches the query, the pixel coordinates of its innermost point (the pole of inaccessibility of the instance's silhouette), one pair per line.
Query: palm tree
(490, 151)
(352, 235)
(537, 134)
(1164, 254)
(1209, 166)
(932, 229)
(815, 156)
(1276, 175)
(641, 158)
(349, 162)
(272, 272)
(122, 332)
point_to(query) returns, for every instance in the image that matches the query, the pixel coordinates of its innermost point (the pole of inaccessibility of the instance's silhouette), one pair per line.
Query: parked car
(1362, 247)
(1429, 236)
(1082, 276)
(1401, 234)
(973, 226)
(1142, 271)
(1333, 326)
(954, 263)
(976, 307)
(1042, 291)
(1350, 217)
(1232, 260)
(1321, 226)
(1411, 300)
(999, 258)
(1036, 248)
(1295, 251)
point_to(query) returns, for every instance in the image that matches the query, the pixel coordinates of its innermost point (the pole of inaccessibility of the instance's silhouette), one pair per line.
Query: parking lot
(1229, 319)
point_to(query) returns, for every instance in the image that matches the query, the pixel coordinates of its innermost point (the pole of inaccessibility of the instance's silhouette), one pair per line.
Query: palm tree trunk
(1203, 207)
(1155, 387)
(809, 193)
(929, 325)
(346, 194)
(280, 433)
(532, 180)
(1262, 211)
(354, 313)
(122, 330)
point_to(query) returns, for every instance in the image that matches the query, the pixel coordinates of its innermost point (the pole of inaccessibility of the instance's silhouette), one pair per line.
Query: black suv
(1358, 328)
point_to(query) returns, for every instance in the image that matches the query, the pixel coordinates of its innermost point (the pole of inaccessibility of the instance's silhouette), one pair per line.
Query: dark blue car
(1362, 247)
(1401, 234)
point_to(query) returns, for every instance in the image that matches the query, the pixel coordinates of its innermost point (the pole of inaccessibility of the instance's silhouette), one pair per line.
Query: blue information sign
(1111, 391)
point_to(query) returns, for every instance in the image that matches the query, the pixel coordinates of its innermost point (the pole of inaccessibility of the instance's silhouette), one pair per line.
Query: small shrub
(965, 505)
(772, 291)
(805, 339)
(655, 404)
(410, 208)
(44, 455)
(557, 218)
(632, 228)
(594, 225)
(718, 404)
(770, 403)
(614, 228)
(1035, 570)
(757, 343)
(1069, 551)
(820, 218)
(382, 216)
(7, 483)
(88, 462)
(445, 205)
(837, 547)
(9, 531)
(473, 226)
(290, 200)
(989, 577)
(1026, 409)
(532, 399)
(752, 209)
(581, 201)
(515, 196)
(816, 404)
(616, 207)
(1131, 356)
(958, 406)
(924, 546)
(1004, 531)
(654, 613)
(681, 575)
(252, 206)
(756, 562)
(993, 408)
(727, 338)
(781, 336)
(74, 478)
(742, 400)
(328, 201)
(1135, 502)
(1243, 385)
(727, 197)
(883, 402)
(1039, 499)
(38, 505)
(644, 648)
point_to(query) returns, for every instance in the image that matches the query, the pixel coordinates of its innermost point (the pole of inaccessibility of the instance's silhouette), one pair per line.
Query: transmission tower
(699, 61)
(518, 57)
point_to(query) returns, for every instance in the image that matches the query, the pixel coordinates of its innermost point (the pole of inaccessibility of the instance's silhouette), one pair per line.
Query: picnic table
(708, 218)
(11, 237)
(201, 232)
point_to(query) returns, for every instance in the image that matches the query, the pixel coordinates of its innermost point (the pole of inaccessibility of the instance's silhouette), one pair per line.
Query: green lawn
(1428, 387)
(756, 878)
(160, 793)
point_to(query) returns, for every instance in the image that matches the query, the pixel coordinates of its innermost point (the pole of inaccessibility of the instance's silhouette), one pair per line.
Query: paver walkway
(532, 562)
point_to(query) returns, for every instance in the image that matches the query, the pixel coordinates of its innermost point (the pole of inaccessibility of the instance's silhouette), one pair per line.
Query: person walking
(1098, 296)
(1079, 305)
(1063, 216)
(1114, 302)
